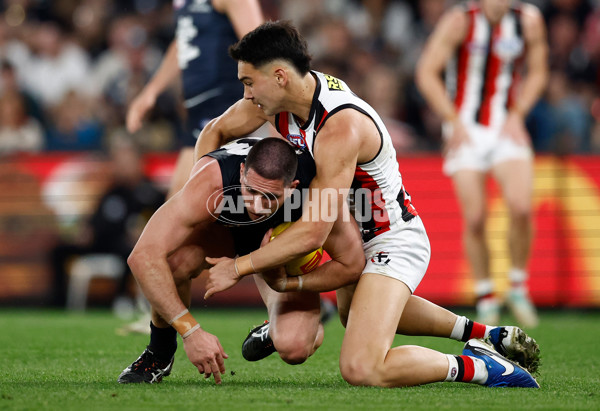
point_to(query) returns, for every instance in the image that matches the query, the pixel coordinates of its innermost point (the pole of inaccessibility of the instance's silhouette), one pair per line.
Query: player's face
(494, 10)
(260, 87)
(262, 197)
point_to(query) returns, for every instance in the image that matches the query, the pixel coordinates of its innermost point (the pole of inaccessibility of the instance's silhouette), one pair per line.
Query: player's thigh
(344, 299)
(211, 240)
(515, 178)
(469, 186)
(375, 312)
(293, 315)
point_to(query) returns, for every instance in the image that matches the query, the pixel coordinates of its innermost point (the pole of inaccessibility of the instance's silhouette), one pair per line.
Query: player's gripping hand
(220, 277)
(138, 109)
(205, 351)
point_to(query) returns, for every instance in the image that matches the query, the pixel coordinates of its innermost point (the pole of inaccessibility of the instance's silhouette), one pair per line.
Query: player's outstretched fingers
(221, 358)
(211, 368)
(216, 372)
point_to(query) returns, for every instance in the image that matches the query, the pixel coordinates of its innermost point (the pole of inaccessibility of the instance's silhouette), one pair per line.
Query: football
(300, 265)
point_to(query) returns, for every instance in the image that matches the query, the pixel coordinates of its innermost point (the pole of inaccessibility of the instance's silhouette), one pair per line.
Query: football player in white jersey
(481, 46)
(351, 148)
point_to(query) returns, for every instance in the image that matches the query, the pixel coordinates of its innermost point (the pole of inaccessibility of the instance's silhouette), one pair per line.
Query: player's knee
(520, 212)
(360, 371)
(293, 353)
(475, 224)
(292, 347)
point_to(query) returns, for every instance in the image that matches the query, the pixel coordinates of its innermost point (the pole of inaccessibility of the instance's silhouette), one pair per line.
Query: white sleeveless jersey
(381, 200)
(483, 74)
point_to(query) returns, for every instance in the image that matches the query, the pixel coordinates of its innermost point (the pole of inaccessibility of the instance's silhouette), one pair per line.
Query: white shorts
(486, 149)
(401, 253)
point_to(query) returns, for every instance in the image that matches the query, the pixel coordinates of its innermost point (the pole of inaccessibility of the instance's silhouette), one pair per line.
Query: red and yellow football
(300, 265)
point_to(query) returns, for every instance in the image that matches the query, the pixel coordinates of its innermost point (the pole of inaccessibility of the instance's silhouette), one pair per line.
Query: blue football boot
(501, 372)
(514, 344)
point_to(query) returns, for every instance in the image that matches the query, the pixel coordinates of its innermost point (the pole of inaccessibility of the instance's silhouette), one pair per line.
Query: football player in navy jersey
(234, 196)
(205, 29)
(353, 152)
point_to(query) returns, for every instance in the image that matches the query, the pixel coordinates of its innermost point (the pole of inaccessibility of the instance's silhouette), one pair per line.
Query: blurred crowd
(69, 68)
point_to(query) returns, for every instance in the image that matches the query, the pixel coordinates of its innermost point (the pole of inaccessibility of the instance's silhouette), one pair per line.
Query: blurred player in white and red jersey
(482, 46)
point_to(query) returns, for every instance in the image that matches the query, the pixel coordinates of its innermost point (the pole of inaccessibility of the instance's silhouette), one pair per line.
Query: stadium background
(76, 65)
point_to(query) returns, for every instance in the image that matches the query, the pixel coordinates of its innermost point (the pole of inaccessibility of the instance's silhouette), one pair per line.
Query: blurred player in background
(198, 54)
(209, 77)
(481, 46)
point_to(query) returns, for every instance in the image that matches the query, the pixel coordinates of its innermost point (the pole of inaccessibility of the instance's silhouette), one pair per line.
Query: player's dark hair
(273, 158)
(270, 41)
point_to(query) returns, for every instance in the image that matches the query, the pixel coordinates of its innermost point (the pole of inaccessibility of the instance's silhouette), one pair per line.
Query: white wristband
(285, 281)
(178, 316)
(190, 331)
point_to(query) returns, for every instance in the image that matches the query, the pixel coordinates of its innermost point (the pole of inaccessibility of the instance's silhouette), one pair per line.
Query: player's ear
(242, 168)
(281, 76)
(294, 184)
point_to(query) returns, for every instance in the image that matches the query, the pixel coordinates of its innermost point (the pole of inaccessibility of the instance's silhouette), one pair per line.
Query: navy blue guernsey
(247, 234)
(209, 75)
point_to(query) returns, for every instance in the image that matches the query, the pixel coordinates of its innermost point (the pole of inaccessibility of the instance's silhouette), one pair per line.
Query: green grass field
(55, 360)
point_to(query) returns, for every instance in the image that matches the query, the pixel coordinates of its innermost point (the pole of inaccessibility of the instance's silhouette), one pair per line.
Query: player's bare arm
(239, 120)
(441, 45)
(340, 135)
(245, 15)
(344, 246)
(166, 74)
(167, 230)
(536, 78)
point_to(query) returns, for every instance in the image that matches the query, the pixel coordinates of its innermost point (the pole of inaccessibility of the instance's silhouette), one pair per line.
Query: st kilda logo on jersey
(381, 258)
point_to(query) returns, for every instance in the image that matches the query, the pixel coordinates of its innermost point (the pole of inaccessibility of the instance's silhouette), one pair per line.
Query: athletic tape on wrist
(237, 271)
(190, 331)
(178, 316)
(184, 323)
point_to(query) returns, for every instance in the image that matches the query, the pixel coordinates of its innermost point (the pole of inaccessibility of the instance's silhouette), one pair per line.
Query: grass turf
(56, 360)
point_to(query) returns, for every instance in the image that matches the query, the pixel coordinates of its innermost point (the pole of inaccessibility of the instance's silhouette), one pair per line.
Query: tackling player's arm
(335, 151)
(238, 121)
(344, 246)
